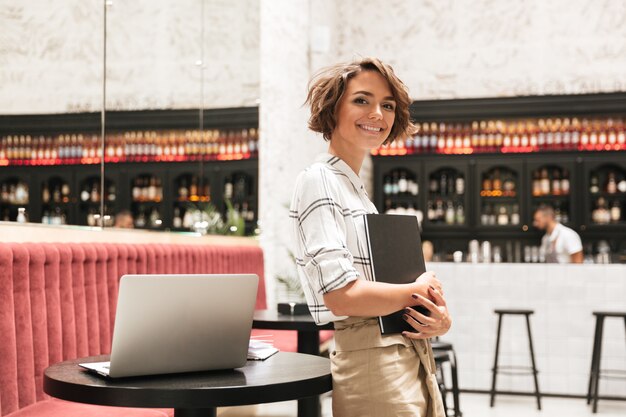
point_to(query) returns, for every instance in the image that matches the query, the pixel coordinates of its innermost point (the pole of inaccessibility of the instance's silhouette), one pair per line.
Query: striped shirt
(327, 214)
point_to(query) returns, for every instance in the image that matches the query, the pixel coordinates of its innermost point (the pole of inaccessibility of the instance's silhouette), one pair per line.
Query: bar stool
(441, 357)
(440, 346)
(596, 373)
(521, 370)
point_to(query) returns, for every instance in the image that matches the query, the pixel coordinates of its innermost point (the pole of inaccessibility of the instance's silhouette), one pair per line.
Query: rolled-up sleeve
(321, 232)
(320, 229)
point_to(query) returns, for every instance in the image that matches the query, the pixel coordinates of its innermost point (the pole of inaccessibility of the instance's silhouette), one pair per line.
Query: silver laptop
(180, 323)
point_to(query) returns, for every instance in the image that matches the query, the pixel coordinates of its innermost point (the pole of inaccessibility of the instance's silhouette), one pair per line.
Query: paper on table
(259, 351)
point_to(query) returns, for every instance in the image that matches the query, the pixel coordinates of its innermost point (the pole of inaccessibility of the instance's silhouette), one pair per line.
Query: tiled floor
(472, 405)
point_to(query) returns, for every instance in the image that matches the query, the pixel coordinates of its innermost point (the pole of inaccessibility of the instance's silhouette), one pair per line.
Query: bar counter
(34, 232)
(563, 298)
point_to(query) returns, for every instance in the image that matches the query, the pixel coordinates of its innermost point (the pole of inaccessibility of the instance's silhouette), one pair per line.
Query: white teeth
(370, 128)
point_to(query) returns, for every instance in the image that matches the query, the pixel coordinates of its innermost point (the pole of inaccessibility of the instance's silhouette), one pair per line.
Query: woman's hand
(437, 324)
(429, 278)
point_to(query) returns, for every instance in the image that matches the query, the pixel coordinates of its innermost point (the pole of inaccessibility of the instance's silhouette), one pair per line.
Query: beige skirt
(382, 376)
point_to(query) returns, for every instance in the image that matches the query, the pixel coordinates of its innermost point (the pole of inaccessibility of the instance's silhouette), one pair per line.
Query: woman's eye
(360, 101)
(389, 106)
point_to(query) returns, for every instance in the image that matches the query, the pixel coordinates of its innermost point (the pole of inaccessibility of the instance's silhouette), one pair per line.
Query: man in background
(560, 244)
(124, 220)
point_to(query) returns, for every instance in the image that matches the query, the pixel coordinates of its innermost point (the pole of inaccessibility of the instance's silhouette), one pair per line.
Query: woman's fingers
(437, 295)
(428, 304)
(414, 323)
(421, 318)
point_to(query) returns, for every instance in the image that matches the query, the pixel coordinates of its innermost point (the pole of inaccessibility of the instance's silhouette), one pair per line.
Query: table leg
(195, 412)
(309, 342)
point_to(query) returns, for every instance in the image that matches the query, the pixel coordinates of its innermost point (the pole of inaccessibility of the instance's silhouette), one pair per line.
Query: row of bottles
(21, 215)
(500, 215)
(135, 146)
(91, 191)
(505, 136)
(446, 183)
(499, 182)
(400, 182)
(55, 191)
(147, 188)
(449, 213)
(189, 188)
(14, 192)
(550, 182)
(610, 181)
(606, 211)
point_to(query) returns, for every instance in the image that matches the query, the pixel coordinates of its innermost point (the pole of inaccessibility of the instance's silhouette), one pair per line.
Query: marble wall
(51, 55)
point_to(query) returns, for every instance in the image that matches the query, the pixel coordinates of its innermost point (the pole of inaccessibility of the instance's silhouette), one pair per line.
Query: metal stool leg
(594, 358)
(532, 357)
(596, 371)
(442, 388)
(495, 362)
(455, 385)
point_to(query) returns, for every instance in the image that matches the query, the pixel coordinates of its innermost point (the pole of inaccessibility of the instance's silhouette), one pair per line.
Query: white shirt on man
(559, 245)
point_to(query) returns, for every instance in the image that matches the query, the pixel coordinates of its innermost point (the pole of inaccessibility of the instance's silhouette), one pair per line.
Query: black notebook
(396, 251)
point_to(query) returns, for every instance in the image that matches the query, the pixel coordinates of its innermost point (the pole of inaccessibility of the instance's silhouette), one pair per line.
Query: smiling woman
(357, 107)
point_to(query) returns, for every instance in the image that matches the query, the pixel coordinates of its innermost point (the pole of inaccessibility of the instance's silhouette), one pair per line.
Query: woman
(358, 107)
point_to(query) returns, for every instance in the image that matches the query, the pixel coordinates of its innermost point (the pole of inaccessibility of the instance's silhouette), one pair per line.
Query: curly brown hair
(327, 87)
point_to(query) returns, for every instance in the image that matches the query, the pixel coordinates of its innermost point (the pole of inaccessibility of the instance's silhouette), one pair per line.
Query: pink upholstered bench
(57, 302)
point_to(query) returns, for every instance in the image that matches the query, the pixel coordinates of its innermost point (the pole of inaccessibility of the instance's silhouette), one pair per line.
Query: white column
(286, 144)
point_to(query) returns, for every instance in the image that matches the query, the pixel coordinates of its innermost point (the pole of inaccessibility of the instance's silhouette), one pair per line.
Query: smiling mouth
(371, 129)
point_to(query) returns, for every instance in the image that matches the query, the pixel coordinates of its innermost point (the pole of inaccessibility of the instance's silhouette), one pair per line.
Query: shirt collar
(555, 231)
(340, 164)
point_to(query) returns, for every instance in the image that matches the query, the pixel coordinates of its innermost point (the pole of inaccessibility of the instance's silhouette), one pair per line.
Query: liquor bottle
(594, 186)
(611, 184)
(152, 189)
(56, 194)
(515, 216)
(536, 184)
(509, 185)
(460, 214)
(439, 211)
(136, 190)
(240, 188)
(111, 193)
(545, 182)
(496, 183)
(556, 182)
(45, 194)
(95, 194)
(154, 218)
(486, 185)
(21, 193)
(395, 180)
(177, 222)
(616, 212)
(84, 194)
(460, 185)
(450, 214)
(503, 216)
(433, 185)
(21, 215)
(430, 211)
(443, 184)
(387, 185)
(183, 191)
(565, 183)
(228, 188)
(403, 185)
(193, 188)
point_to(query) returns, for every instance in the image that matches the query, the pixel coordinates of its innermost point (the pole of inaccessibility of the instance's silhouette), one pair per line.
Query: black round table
(282, 377)
(308, 342)
(308, 331)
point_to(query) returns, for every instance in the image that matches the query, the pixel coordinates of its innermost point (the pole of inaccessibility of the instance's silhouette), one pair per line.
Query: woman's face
(366, 112)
